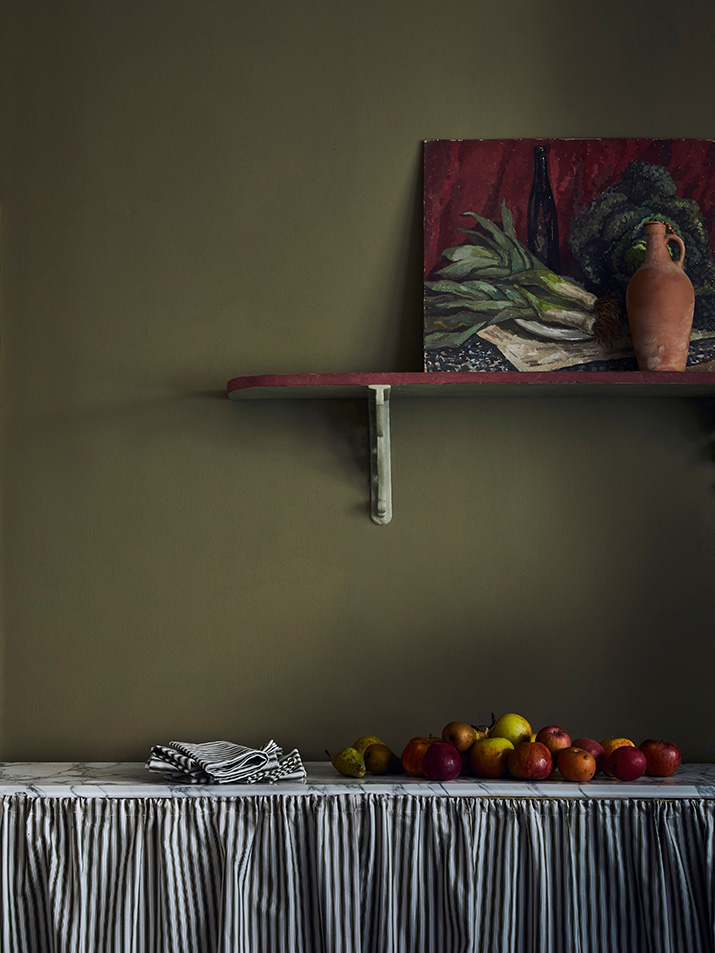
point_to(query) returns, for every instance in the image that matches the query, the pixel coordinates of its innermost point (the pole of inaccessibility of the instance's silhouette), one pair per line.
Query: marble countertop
(133, 779)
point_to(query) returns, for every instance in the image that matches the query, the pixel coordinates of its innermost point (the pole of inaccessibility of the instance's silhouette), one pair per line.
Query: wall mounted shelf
(378, 389)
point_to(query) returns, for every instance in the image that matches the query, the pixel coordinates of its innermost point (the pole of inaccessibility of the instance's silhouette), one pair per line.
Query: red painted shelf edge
(470, 377)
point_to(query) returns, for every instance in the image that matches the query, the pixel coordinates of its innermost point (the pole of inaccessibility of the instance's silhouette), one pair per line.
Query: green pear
(348, 762)
(380, 760)
(362, 744)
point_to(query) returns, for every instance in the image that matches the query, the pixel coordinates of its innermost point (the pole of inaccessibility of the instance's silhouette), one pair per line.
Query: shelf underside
(380, 388)
(476, 384)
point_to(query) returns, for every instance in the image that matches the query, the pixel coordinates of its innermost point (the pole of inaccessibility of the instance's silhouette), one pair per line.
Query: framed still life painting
(529, 246)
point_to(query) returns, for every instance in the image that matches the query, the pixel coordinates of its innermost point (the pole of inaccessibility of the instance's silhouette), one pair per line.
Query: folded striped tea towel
(222, 762)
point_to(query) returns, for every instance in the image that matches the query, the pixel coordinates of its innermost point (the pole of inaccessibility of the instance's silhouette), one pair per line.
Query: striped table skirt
(360, 873)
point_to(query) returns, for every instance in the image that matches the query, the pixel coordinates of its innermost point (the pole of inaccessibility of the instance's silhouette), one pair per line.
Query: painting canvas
(529, 246)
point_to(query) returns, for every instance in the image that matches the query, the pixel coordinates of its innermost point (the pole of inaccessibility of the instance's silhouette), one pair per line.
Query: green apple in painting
(514, 728)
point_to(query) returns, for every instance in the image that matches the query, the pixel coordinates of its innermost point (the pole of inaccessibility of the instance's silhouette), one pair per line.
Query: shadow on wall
(405, 305)
(343, 420)
(705, 410)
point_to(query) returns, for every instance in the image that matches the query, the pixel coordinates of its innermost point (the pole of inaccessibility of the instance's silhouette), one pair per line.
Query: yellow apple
(514, 728)
(488, 757)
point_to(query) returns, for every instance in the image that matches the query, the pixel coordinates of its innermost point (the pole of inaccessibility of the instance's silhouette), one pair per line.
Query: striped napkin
(222, 762)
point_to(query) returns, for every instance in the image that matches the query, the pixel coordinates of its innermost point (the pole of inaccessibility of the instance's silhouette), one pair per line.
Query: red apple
(414, 753)
(441, 762)
(531, 760)
(593, 747)
(610, 745)
(488, 757)
(576, 764)
(626, 763)
(555, 739)
(662, 757)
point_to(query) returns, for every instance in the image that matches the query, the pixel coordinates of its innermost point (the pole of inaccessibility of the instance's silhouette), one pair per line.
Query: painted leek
(493, 278)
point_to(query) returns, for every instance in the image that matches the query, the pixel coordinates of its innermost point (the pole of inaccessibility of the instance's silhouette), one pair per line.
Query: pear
(348, 762)
(362, 744)
(380, 760)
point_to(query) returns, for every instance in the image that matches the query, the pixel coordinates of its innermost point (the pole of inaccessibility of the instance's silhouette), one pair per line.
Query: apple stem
(328, 754)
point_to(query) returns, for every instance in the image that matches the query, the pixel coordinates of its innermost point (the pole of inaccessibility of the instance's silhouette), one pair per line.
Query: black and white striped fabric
(222, 762)
(356, 873)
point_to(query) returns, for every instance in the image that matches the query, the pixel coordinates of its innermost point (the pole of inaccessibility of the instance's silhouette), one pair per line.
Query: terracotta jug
(660, 302)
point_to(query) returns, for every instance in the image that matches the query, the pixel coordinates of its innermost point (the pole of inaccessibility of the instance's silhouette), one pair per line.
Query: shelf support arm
(380, 464)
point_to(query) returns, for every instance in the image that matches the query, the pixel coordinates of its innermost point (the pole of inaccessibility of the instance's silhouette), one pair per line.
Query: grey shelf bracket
(380, 464)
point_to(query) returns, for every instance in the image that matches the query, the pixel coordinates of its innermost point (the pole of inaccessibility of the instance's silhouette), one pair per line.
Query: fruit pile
(509, 747)
(366, 754)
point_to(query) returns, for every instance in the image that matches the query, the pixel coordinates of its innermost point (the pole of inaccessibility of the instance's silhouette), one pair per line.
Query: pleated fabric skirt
(364, 873)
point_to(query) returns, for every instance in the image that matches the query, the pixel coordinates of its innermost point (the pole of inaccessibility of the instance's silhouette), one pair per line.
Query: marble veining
(119, 779)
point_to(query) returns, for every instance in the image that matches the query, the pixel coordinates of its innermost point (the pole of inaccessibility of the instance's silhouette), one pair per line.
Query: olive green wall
(196, 191)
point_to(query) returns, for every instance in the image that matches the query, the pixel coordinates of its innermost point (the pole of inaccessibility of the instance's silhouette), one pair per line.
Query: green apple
(488, 757)
(514, 728)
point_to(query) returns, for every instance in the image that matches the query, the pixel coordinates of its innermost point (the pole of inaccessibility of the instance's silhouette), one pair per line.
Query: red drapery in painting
(476, 175)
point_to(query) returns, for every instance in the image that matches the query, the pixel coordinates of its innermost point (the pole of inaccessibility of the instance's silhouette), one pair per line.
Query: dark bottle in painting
(542, 227)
